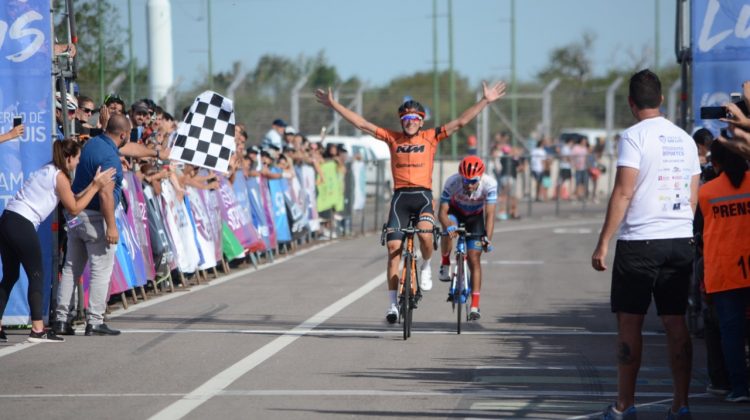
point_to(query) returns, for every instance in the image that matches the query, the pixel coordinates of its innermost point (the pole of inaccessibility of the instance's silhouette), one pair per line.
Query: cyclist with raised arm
(469, 198)
(412, 157)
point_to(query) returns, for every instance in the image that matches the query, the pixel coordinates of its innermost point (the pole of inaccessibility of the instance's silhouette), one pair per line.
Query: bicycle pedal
(450, 297)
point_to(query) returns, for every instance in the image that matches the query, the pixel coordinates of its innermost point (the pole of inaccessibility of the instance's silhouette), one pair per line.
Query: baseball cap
(140, 106)
(279, 122)
(290, 130)
(253, 149)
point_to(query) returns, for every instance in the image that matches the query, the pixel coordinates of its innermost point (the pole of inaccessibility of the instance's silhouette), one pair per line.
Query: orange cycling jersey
(412, 158)
(726, 223)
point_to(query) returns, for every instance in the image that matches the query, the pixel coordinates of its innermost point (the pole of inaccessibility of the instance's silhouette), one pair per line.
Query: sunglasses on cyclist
(409, 117)
(470, 181)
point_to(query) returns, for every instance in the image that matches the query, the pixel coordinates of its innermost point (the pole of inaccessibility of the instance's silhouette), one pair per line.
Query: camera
(717, 112)
(17, 121)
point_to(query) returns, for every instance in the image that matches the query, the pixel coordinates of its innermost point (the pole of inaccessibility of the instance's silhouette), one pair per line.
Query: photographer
(739, 125)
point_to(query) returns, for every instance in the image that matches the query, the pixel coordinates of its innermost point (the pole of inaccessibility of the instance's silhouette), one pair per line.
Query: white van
(373, 152)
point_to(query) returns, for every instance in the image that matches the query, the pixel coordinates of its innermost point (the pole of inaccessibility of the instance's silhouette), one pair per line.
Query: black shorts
(405, 203)
(660, 267)
(566, 174)
(474, 225)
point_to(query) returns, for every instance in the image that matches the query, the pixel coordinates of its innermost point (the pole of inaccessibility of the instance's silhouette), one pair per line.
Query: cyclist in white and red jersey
(412, 155)
(469, 198)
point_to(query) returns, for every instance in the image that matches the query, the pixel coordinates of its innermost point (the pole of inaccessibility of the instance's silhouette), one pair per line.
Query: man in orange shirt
(412, 157)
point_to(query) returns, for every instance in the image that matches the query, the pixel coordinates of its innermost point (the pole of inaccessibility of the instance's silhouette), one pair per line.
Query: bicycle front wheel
(407, 297)
(459, 291)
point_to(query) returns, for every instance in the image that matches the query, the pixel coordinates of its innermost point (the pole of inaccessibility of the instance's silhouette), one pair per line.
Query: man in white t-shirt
(654, 198)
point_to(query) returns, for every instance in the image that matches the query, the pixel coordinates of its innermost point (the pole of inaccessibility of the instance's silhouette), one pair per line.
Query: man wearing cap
(273, 136)
(71, 106)
(140, 115)
(289, 133)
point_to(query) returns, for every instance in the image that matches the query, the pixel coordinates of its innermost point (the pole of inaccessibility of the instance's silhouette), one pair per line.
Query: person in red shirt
(412, 156)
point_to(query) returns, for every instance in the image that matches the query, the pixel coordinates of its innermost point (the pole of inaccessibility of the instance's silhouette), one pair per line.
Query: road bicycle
(460, 289)
(408, 297)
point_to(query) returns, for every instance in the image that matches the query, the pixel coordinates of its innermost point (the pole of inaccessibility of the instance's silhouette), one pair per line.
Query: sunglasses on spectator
(87, 110)
(470, 181)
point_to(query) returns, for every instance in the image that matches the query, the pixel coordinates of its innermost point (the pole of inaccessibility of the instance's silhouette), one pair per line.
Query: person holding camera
(16, 131)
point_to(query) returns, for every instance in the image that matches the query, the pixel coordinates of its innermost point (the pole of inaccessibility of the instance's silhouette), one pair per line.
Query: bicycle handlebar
(435, 231)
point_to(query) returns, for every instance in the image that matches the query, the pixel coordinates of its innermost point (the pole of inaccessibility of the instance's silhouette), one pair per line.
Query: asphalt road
(305, 338)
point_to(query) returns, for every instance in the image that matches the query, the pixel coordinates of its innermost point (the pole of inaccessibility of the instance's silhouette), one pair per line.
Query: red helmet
(471, 167)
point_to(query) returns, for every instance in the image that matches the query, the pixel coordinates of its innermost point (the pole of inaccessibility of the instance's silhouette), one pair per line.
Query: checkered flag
(206, 137)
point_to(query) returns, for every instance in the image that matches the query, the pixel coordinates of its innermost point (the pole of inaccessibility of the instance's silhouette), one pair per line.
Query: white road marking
(568, 231)
(361, 392)
(513, 262)
(396, 330)
(218, 383)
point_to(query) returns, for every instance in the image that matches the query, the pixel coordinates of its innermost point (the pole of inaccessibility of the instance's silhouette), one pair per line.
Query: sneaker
(612, 414)
(101, 329)
(682, 414)
(737, 397)
(63, 328)
(445, 273)
(425, 277)
(474, 314)
(46, 336)
(716, 390)
(392, 314)
(3, 337)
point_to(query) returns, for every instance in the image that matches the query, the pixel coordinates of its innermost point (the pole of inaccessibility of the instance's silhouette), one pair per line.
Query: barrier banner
(179, 229)
(128, 237)
(720, 53)
(26, 91)
(161, 245)
(237, 220)
(230, 244)
(277, 189)
(213, 211)
(123, 259)
(243, 201)
(265, 199)
(308, 179)
(296, 204)
(257, 213)
(138, 219)
(203, 228)
(331, 189)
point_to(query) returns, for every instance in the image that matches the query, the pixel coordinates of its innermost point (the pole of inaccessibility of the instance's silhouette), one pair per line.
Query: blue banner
(25, 91)
(259, 217)
(277, 188)
(721, 53)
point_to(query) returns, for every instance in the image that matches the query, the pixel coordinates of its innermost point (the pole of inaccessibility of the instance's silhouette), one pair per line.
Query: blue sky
(377, 40)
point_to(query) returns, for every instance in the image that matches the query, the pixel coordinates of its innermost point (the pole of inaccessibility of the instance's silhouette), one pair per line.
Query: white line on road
(218, 383)
(513, 262)
(360, 392)
(390, 331)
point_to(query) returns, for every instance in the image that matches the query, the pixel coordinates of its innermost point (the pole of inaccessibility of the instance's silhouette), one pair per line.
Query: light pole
(452, 75)
(131, 64)
(513, 90)
(210, 55)
(435, 74)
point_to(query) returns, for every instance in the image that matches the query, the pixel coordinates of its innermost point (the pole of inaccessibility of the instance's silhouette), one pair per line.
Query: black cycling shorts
(405, 203)
(660, 267)
(474, 225)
